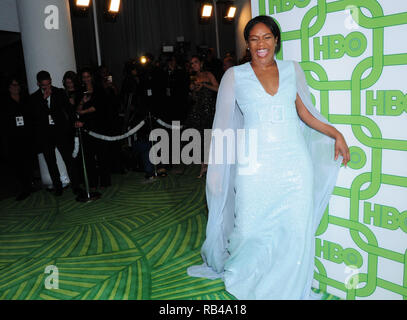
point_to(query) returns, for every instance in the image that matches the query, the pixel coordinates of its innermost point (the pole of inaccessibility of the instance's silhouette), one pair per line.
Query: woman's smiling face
(261, 43)
(196, 64)
(86, 78)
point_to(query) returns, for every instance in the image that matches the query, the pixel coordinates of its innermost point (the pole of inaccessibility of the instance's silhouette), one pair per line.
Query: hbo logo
(334, 252)
(286, 5)
(335, 46)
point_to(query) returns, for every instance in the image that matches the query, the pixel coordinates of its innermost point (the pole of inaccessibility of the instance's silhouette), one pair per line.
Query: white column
(97, 40)
(46, 34)
(215, 9)
(243, 16)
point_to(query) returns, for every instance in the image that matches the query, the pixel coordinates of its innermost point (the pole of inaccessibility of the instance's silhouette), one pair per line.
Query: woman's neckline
(264, 89)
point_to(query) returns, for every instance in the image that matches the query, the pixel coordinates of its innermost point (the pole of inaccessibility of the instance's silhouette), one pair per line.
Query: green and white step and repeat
(354, 54)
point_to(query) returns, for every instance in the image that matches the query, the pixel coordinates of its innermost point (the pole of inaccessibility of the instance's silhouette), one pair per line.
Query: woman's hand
(82, 112)
(195, 86)
(78, 124)
(79, 108)
(85, 99)
(198, 85)
(342, 148)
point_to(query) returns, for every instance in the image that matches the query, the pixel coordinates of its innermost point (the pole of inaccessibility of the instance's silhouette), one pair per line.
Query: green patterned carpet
(134, 243)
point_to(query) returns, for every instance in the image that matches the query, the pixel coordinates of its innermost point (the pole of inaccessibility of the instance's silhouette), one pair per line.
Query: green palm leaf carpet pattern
(136, 243)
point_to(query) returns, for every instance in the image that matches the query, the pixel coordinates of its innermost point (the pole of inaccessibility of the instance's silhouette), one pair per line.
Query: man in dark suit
(54, 121)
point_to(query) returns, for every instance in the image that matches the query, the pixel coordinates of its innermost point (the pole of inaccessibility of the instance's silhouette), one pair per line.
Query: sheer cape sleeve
(322, 150)
(220, 193)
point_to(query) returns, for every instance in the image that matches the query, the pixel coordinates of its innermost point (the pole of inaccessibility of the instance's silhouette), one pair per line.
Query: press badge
(149, 92)
(51, 121)
(168, 92)
(20, 121)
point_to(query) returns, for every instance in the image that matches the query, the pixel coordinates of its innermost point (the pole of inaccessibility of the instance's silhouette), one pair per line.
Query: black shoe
(59, 192)
(105, 185)
(76, 190)
(162, 172)
(22, 196)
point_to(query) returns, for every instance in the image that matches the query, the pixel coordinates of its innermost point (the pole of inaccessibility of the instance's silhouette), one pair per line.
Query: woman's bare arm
(214, 83)
(340, 144)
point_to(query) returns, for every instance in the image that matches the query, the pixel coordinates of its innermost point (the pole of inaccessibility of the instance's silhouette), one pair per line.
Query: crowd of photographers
(90, 100)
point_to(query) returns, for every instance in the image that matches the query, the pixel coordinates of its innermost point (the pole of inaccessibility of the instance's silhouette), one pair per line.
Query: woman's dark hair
(129, 66)
(196, 56)
(86, 70)
(6, 83)
(270, 23)
(201, 59)
(9, 80)
(71, 75)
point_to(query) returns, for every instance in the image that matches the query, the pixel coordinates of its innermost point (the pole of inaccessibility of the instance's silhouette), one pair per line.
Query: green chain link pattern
(384, 103)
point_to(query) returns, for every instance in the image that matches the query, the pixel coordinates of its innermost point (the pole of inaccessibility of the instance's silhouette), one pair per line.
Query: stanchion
(86, 196)
(127, 112)
(151, 129)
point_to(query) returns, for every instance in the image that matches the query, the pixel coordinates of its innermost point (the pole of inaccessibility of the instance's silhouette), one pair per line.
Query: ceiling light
(114, 6)
(83, 3)
(231, 12)
(207, 11)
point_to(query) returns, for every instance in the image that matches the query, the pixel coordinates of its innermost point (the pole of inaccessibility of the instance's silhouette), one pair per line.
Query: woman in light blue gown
(264, 210)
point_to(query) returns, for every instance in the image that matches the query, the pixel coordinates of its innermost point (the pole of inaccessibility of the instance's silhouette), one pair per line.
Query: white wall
(244, 14)
(8, 16)
(46, 46)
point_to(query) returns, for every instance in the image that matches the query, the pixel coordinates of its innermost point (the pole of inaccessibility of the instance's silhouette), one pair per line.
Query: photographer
(213, 64)
(150, 98)
(93, 113)
(111, 122)
(176, 99)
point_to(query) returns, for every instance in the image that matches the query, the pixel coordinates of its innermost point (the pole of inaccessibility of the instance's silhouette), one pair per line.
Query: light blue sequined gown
(270, 246)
